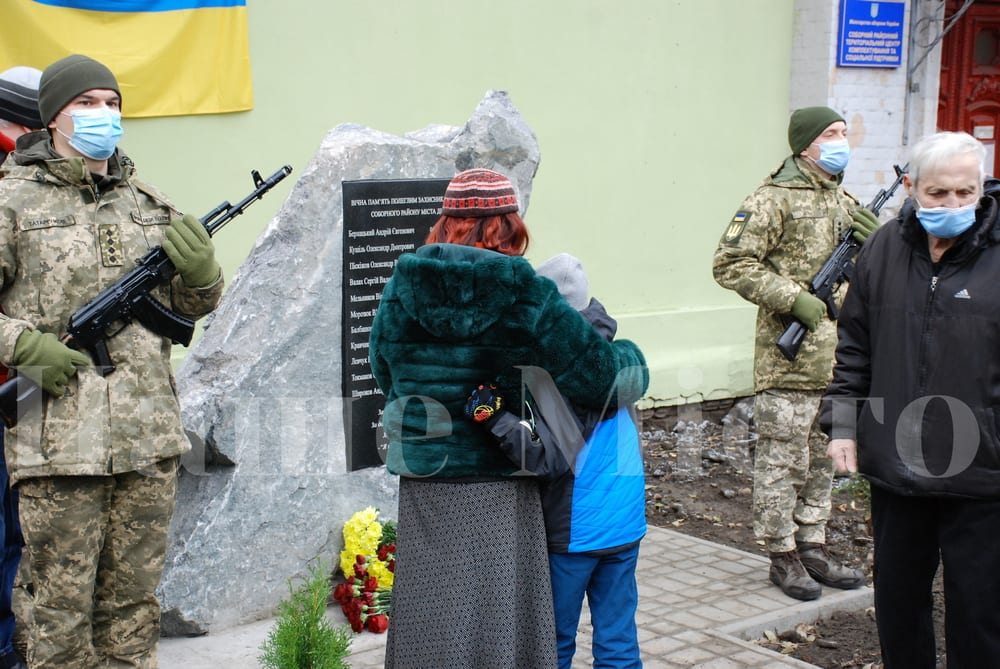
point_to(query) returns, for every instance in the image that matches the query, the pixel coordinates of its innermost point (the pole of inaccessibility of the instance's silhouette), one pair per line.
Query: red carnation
(378, 623)
(364, 603)
(343, 593)
(386, 551)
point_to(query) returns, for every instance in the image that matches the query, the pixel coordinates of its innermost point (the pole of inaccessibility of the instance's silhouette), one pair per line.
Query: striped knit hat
(478, 192)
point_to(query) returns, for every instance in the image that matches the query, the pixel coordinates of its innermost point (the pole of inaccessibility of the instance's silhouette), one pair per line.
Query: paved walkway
(699, 604)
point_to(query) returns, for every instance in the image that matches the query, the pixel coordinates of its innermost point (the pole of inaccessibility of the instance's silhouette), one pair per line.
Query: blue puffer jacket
(452, 316)
(589, 461)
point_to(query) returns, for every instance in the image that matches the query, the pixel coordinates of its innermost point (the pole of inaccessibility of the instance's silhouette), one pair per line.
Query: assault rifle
(129, 299)
(835, 271)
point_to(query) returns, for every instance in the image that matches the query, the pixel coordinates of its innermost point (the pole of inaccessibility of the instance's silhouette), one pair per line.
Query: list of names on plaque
(382, 220)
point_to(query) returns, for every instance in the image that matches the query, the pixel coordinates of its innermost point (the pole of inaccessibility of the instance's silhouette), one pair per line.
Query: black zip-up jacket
(918, 359)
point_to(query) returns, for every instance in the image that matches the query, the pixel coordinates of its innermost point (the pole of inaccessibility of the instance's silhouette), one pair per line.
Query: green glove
(189, 247)
(864, 224)
(808, 309)
(47, 361)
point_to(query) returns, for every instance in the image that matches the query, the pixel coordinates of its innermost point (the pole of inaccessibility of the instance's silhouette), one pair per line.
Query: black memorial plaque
(382, 220)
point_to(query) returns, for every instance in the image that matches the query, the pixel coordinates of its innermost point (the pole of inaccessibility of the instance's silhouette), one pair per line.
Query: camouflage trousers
(96, 547)
(792, 473)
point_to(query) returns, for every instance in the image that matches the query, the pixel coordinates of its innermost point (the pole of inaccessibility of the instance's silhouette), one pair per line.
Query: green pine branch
(302, 636)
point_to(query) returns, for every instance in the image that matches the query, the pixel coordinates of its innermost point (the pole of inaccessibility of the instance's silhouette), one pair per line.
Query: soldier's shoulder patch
(736, 226)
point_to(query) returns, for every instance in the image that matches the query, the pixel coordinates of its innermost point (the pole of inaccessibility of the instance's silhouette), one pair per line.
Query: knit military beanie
(566, 271)
(65, 79)
(806, 125)
(19, 96)
(479, 192)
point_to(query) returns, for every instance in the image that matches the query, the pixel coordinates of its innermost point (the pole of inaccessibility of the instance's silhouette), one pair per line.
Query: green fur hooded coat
(455, 316)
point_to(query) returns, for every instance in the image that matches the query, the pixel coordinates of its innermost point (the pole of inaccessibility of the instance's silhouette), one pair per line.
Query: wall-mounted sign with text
(382, 220)
(870, 33)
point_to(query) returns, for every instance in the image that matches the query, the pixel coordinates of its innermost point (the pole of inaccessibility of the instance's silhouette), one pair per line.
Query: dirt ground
(699, 481)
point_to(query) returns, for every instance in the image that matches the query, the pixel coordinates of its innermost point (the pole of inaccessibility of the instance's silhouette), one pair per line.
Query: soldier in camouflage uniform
(776, 242)
(96, 465)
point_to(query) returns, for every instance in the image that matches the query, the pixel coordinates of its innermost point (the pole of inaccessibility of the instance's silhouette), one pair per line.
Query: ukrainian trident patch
(736, 227)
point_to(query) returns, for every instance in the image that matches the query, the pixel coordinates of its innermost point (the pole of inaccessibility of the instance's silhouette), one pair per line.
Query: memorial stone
(268, 485)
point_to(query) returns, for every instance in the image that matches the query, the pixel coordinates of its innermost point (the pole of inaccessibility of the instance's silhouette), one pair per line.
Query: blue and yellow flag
(170, 57)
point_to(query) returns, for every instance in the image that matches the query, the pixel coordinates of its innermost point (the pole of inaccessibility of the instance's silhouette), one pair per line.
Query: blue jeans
(612, 595)
(10, 554)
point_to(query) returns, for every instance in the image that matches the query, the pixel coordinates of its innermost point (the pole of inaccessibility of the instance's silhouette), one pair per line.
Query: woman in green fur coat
(471, 583)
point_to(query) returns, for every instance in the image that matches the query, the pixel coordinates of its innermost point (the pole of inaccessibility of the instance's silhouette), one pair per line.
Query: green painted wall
(654, 117)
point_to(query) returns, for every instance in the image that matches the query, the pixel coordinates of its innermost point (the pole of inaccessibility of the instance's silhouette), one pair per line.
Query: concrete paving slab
(700, 606)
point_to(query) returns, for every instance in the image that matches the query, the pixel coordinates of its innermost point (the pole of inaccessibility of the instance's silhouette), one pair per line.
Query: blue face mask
(946, 222)
(833, 156)
(95, 132)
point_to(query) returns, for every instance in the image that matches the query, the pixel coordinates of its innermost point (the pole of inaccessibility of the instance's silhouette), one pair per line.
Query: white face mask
(95, 132)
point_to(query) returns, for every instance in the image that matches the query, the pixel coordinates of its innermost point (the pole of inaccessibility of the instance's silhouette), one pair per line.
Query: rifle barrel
(232, 211)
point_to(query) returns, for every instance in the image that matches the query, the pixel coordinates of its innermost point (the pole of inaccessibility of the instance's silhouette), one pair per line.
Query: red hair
(505, 233)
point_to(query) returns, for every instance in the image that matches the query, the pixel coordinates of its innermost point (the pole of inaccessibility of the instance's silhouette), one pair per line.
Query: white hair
(934, 150)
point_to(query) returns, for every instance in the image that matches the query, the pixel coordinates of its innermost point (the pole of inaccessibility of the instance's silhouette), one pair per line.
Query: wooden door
(969, 97)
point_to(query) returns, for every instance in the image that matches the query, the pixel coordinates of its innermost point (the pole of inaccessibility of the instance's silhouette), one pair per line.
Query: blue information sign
(870, 33)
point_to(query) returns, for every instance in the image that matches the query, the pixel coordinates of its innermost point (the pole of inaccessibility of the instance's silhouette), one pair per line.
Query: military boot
(821, 566)
(788, 573)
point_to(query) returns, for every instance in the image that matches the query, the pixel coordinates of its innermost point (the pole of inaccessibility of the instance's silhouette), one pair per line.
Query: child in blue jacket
(593, 489)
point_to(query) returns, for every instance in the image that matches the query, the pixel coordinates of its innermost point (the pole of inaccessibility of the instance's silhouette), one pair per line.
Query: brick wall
(882, 119)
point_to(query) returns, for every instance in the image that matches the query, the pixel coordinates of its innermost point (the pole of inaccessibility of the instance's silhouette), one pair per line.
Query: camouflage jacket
(63, 239)
(775, 244)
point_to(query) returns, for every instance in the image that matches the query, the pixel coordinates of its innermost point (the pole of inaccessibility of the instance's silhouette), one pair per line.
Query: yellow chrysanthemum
(380, 570)
(361, 536)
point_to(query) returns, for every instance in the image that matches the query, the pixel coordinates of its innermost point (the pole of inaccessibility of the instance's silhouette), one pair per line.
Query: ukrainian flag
(171, 57)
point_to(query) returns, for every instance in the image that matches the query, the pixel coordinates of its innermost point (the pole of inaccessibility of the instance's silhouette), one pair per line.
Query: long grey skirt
(471, 588)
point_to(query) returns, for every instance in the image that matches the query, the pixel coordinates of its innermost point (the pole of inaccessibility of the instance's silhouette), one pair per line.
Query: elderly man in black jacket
(914, 405)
